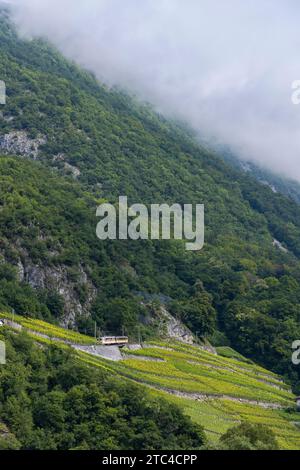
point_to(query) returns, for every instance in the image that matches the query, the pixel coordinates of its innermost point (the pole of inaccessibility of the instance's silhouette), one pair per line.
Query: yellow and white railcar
(113, 340)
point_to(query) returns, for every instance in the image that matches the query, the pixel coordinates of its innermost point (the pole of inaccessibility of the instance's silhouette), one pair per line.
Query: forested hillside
(69, 143)
(277, 183)
(50, 401)
(60, 390)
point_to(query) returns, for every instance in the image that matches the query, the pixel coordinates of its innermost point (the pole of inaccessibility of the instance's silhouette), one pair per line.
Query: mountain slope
(68, 143)
(216, 392)
(51, 401)
(276, 183)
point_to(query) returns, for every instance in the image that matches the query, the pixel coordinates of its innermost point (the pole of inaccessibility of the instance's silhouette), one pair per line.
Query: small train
(113, 340)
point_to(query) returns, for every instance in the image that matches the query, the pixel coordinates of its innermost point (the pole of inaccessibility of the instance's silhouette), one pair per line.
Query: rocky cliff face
(173, 328)
(57, 279)
(176, 329)
(18, 143)
(53, 278)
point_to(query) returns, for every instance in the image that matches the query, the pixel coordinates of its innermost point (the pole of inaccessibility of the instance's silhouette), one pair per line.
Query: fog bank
(225, 66)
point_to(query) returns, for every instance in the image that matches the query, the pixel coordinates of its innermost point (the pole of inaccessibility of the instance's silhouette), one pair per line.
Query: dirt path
(210, 396)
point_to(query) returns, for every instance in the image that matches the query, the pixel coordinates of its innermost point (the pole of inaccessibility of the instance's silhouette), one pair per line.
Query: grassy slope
(52, 331)
(185, 368)
(215, 415)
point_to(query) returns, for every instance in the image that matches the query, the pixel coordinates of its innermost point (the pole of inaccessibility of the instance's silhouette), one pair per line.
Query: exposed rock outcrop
(73, 170)
(278, 244)
(56, 278)
(176, 329)
(18, 143)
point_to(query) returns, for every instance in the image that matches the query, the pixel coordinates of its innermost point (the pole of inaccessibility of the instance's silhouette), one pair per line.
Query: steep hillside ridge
(50, 400)
(76, 144)
(277, 183)
(216, 392)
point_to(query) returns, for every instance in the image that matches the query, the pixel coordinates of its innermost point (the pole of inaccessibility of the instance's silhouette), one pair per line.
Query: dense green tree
(49, 401)
(197, 313)
(247, 436)
(7, 440)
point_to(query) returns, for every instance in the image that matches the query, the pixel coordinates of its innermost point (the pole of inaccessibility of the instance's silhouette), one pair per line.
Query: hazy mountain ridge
(276, 183)
(239, 288)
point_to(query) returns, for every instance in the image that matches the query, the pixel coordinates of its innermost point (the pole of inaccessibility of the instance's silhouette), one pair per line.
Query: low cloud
(226, 67)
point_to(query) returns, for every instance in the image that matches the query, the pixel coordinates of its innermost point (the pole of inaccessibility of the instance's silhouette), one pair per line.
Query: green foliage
(49, 401)
(248, 436)
(197, 313)
(198, 371)
(117, 315)
(226, 351)
(7, 440)
(52, 331)
(250, 289)
(183, 368)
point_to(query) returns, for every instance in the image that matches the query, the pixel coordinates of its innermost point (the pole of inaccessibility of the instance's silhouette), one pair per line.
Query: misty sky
(225, 66)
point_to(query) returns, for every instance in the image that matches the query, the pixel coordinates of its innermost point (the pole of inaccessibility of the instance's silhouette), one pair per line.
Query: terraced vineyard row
(48, 329)
(216, 415)
(168, 375)
(200, 354)
(209, 361)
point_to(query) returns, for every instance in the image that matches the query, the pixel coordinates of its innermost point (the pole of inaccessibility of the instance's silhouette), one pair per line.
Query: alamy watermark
(160, 222)
(296, 353)
(2, 92)
(2, 353)
(296, 92)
